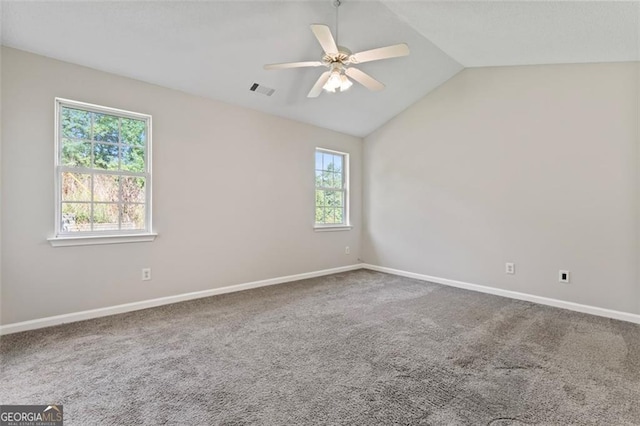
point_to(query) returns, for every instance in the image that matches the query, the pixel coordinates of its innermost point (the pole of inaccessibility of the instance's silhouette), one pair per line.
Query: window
(332, 186)
(103, 171)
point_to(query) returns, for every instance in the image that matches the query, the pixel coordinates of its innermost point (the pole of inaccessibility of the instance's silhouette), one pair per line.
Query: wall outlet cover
(510, 268)
(146, 274)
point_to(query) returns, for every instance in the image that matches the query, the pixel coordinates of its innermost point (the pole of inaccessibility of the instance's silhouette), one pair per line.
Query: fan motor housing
(342, 56)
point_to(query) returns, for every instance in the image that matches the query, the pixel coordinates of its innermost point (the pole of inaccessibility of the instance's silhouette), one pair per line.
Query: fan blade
(380, 53)
(365, 79)
(323, 34)
(293, 65)
(317, 88)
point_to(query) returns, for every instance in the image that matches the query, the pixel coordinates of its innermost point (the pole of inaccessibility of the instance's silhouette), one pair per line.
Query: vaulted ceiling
(217, 49)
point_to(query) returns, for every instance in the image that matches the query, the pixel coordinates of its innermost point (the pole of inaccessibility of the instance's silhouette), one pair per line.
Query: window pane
(319, 215)
(105, 156)
(320, 198)
(337, 163)
(333, 199)
(326, 179)
(75, 217)
(334, 180)
(133, 131)
(105, 217)
(76, 123)
(76, 153)
(133, 216)
(340, 215)
(133, 189)
(105, 127)
(329, 198)
(327, 161)
(132, 159)
(76, 187)
(106, 188)
(318, 160)
(328, 215)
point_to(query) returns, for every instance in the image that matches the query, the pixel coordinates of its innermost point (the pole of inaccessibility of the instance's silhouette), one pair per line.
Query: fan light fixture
(337, 81)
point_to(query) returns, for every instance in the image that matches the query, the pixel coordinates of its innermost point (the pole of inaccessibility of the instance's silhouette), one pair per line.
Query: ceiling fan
(339, 60)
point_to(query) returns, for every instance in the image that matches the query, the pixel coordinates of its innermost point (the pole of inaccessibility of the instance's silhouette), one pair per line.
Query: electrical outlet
(146, 274)
(564, 276)
(347, 250)
(510, 268)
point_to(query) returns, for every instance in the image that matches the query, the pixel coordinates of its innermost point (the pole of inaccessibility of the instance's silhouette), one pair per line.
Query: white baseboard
(128, 307)
(593, 310)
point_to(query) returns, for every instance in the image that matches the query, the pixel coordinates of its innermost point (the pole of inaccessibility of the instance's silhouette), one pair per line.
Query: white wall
(233, 195)
(535, 165)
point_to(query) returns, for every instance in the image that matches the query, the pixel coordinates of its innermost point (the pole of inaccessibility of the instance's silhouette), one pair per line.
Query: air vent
(262, 89)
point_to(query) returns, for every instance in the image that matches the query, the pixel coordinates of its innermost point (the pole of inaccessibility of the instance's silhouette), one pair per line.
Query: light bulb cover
(345, 83)
(333, 82)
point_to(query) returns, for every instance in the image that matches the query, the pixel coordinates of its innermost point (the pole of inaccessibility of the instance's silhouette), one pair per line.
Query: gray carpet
(359, 348)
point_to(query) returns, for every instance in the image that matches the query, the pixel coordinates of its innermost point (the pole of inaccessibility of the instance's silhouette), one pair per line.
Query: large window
(103, 171)
(332, 186)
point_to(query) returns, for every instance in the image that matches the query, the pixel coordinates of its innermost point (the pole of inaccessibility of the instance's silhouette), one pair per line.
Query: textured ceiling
(217, 49)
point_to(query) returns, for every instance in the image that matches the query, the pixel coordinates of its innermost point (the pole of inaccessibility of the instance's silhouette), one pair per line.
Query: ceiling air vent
(262, 89)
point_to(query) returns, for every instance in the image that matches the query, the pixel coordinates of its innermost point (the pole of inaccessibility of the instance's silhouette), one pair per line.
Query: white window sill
(330, 228)
(89, 240)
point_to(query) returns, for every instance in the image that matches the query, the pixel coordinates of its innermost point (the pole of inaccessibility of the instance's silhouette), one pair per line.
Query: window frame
(346, 222)
(62, 238)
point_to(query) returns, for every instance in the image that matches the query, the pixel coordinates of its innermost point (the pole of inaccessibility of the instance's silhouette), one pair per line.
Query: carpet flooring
(357, 348)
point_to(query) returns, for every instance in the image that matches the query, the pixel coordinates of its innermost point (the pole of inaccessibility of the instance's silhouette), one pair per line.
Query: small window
(332, 186)
(103, 171)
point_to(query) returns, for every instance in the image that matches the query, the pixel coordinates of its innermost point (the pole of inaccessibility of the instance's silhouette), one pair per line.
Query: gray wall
(535, 165)
(233, 193)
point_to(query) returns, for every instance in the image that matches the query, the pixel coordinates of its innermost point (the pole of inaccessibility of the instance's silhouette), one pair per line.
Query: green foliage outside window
(330, 202)
(91, 142)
